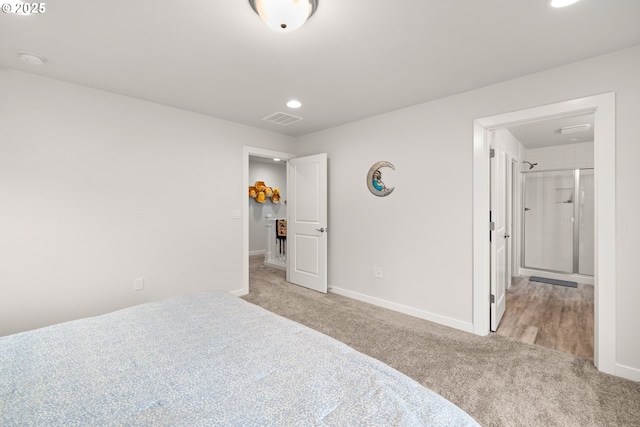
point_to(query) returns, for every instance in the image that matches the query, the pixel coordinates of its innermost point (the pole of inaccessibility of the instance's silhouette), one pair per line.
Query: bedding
(203, 360)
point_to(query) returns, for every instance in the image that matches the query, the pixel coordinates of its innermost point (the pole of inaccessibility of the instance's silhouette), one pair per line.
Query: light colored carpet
(498, 381)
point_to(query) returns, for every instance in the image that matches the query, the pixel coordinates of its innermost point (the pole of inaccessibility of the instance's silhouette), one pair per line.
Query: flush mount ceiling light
(562, 3)
(31, 58)
(284, 16)
(294, 104)
(573, 129)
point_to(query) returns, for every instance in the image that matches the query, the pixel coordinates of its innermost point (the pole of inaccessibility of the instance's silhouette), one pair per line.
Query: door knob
(506, 235)
(321, 229)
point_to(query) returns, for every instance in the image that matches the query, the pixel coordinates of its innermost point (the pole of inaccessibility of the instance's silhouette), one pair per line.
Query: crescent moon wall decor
(374, 179)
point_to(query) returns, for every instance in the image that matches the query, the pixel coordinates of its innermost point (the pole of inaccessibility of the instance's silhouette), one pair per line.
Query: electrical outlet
(377, 272)
(138, 284)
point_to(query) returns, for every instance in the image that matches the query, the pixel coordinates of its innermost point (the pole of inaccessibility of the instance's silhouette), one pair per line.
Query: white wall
(97, 189)
(274, 175)
(421, 234)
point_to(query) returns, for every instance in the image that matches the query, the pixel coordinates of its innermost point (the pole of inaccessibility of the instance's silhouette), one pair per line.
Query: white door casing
(307, 222)
(513, 215)
(499, 236)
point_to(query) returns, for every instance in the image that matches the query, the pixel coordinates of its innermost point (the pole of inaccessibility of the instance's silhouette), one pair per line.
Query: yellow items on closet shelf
(260, 186)
(260, 192)
(275, 198)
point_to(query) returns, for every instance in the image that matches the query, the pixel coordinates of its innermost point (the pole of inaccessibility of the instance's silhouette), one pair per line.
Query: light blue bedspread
(203, 360)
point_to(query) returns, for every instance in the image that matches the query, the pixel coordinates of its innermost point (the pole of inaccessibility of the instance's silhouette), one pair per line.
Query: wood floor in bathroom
(552, 316)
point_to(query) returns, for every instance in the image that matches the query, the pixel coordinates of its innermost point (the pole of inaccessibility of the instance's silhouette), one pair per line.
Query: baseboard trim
(258, 252)
(275, 265)
(238, 293)
(628, 372)
(436, 318)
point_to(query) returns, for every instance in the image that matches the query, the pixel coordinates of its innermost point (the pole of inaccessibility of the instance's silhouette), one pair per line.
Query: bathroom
(551, 298)
(557, 220)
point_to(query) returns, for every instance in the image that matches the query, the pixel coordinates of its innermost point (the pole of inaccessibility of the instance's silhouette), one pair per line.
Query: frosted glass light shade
(284, 15)
(562, 3)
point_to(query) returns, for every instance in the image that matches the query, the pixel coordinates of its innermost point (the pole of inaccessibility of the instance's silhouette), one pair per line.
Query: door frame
(247, 152)
(514, 268)
(603, 107)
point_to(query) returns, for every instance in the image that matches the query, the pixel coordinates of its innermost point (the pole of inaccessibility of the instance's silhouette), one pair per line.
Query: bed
(202, 360)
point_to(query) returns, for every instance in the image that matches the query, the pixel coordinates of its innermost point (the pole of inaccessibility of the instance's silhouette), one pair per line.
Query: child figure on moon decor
(374, 180)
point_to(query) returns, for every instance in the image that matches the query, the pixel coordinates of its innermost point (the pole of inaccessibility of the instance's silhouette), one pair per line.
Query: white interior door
(499, 236)
(307, 223)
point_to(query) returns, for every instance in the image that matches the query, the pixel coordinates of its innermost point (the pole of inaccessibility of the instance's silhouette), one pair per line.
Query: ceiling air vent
(282, 119)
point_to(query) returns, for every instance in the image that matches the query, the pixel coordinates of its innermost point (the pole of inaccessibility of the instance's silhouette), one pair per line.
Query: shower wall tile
(590, 155)
(571, 156)
(581, 156)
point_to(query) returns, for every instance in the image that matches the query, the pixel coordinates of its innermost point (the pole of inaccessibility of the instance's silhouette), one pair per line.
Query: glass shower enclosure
(558, 221)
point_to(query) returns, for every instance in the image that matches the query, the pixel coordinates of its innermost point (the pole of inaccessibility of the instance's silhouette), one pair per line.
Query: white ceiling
(268, 160)
(352, 59)
(546, 133)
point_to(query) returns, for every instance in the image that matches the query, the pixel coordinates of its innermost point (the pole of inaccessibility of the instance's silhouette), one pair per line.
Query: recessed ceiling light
(562, 3)
(31, 58)
(276, 160)
(294, 104)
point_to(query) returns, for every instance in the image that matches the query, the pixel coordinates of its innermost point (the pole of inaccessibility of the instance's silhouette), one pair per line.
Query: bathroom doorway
(551, 300)
(603, 108)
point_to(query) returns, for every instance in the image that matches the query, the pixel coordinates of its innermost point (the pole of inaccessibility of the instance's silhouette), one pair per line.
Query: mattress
(203, 360)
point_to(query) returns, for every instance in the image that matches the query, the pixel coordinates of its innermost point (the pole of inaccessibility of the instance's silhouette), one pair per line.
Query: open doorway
(268, 210)
(551, 301)
(307, 216)
(603, 108)
(267, 220)
(260, 217)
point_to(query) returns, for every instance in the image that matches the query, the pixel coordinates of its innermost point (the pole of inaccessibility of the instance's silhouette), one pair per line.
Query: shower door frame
(575, 273)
